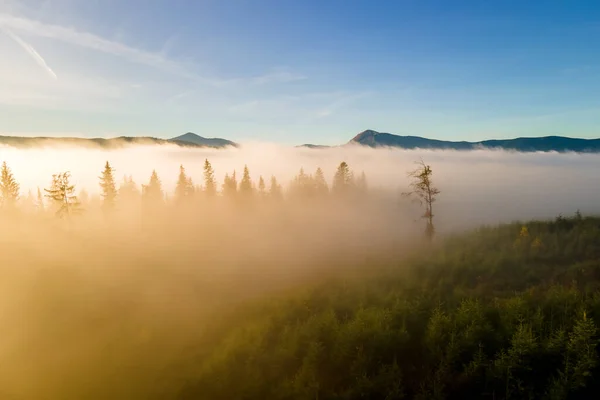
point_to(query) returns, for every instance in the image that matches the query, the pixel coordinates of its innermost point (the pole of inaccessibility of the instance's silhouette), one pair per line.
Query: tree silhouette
(261, 187)
(342, 180)
(275, 191)
(320, 183)
(184, 188)
(62, 193)
(230, 185)
(9, 188)
(246, 183)
(108, 187)
(210, 184)
(152, 193)
(424, 193)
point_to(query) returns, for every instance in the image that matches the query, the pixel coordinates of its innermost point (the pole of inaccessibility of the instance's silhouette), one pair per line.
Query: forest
(254, 289)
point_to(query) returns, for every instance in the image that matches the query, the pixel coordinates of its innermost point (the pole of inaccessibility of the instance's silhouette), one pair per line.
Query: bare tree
(423, 192)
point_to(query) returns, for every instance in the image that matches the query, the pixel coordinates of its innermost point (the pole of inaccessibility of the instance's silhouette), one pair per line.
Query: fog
(101, 307)
(482, 186)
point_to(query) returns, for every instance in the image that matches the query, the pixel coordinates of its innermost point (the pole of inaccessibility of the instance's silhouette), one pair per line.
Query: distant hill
(192, 138)
(314, 146)
(111, 143)
(547, 143)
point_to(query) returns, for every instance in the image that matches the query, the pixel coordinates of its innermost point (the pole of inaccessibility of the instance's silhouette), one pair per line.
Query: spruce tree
(210, 184)
(9, 188)
(342, 180)
(128, 191)
(230, 185)
(184, 188)
(246, 183)
(261, 187)
(62, 193)
(320, 183)
(108, 187)
(152, 193)
(275, 191)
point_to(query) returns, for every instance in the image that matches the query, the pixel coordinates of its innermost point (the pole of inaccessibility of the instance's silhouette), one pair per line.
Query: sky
(293, 72)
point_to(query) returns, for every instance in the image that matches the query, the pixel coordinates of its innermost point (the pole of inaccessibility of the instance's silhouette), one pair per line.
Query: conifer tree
(361, 183)
(184, 188)
(230, 185)
(128, 191)
(424, 193)
(210, 184)
(108, 187)
(261, 187)
(320, 183)
(246, 183)
(342, 180)
(275, 191)
(9, 188)
(62, 193)
(152, 193)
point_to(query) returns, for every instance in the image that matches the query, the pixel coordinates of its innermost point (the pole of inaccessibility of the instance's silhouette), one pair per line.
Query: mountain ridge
(115, 142)
(373, 138)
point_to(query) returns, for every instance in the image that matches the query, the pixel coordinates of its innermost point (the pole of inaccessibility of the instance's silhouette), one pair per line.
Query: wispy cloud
(158, 60)
(31, 51)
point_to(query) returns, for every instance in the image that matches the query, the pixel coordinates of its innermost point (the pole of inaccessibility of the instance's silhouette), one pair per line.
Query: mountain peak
(365, 137)
(193, 138)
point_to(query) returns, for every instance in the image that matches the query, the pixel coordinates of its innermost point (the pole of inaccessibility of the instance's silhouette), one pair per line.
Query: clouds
(31, 51)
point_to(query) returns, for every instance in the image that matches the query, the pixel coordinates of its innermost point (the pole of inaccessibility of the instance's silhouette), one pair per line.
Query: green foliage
(479, 317)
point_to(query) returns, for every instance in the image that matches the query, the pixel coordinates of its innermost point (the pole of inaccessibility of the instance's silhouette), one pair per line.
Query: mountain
(547, 143)
(192, 138)
(112, 143)
(314, 146)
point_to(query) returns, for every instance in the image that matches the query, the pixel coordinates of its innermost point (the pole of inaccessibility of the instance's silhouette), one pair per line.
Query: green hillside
(508, 312)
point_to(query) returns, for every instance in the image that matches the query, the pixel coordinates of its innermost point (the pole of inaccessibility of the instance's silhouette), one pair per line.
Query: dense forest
(252, 290)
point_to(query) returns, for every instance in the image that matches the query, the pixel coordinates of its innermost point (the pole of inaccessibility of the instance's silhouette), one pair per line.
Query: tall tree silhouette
(152, 193)
(320, 183)
(423, 192)
(246, 183)
(230, 185)
(62, 194)
(275, 191)
(210, 184)
(9, 188)
(262, 187)
(184, 188)
(342, 180)
(108, 188)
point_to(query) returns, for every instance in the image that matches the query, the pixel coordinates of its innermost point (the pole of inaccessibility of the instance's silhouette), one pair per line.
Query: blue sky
(311, 71)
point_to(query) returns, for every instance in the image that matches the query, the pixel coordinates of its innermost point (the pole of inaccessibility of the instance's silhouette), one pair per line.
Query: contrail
(29, 49)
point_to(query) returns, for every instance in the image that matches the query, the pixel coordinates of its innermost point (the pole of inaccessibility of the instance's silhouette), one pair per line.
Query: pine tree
(184, 188)
(108, 186)
(342, 180)
(261, 187)
(61, 192)
(9, 188)
(128, 191)
(275, 191)
(320, 183)
(152, 193)
(210, 184)
(246, 183)
(230, 185)
(424, 193)
(361, 183)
